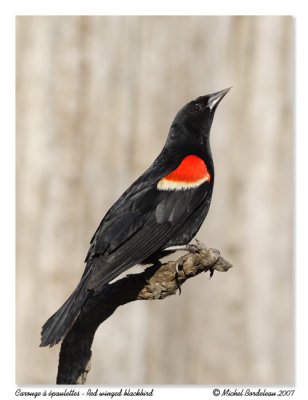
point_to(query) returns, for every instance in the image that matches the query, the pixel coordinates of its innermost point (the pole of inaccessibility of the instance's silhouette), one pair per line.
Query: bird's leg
(179, 247)
(191, 248)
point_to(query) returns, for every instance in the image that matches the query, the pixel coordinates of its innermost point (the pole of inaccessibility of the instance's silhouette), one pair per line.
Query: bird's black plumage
(164, 207)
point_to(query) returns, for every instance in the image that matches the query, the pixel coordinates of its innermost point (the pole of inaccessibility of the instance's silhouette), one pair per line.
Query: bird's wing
(139, 227)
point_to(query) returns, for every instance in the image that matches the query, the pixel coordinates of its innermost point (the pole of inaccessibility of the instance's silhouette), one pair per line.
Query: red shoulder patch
(191, 173)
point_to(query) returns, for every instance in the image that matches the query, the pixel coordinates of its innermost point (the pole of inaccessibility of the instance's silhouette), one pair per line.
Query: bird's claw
(179, 266)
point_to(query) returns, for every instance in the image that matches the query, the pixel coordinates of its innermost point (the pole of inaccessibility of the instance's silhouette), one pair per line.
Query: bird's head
(192, 124)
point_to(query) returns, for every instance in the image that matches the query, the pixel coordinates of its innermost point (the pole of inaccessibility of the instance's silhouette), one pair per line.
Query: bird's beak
(215, 98)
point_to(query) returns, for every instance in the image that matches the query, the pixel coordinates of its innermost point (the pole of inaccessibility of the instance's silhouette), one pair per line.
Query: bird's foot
(191, 248)
(194, 248)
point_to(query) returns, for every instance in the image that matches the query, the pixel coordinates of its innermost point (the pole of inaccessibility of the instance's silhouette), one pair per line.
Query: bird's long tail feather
(58, 325)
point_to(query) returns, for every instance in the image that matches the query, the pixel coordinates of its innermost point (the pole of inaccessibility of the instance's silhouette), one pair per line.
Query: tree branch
(156, 282)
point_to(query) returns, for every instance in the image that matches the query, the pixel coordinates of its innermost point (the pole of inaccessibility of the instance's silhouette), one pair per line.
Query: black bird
(163, 208)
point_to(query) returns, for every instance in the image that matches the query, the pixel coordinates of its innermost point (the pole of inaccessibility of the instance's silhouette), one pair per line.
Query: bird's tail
(58, 325)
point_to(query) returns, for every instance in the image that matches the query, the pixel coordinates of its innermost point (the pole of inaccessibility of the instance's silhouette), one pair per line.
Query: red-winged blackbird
(164, 207)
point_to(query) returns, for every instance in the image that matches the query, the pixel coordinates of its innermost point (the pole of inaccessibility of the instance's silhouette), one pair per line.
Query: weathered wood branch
(156, 282)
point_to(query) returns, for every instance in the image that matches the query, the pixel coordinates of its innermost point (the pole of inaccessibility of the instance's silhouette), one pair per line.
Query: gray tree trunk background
(95, 99)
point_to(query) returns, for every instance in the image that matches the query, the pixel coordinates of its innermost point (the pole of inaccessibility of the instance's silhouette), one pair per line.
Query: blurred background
(95, 99)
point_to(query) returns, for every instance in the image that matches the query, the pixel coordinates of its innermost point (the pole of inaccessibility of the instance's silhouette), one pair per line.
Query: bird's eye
(197, 107)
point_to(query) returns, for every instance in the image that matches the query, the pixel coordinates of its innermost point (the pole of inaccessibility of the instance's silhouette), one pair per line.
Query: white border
(7, 149)
(7, 199)
(158, 7)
